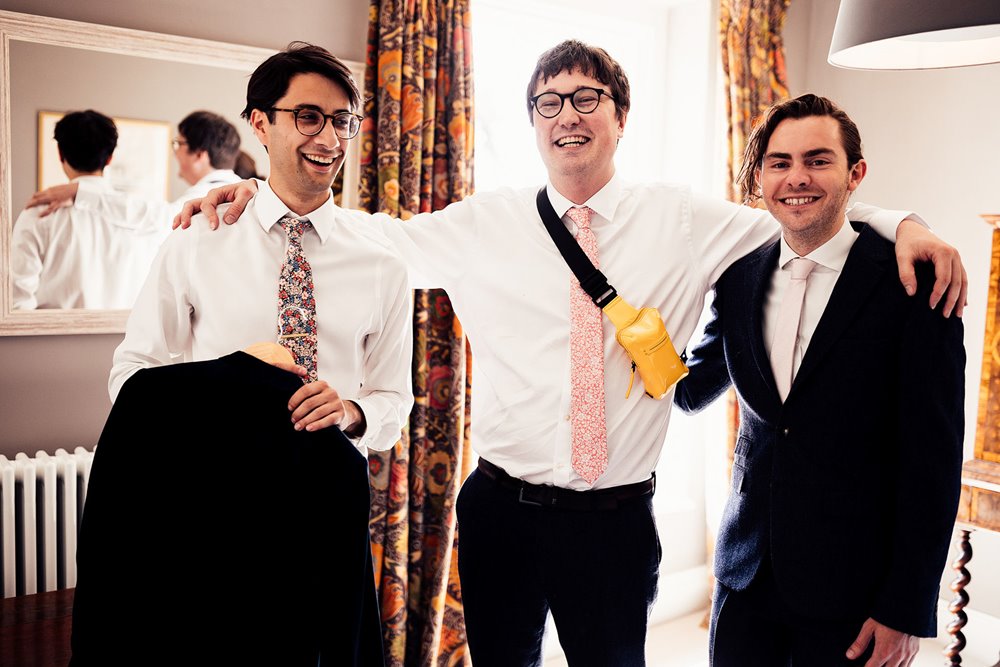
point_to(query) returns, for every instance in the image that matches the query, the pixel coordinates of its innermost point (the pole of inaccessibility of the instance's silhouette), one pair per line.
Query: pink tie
(586, 343)
(787, 327)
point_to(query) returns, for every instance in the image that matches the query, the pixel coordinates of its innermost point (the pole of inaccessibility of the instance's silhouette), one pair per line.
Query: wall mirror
(54, 65)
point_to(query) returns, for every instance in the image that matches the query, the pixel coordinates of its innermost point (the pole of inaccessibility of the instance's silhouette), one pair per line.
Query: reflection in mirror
(147, 79)
(78, 257)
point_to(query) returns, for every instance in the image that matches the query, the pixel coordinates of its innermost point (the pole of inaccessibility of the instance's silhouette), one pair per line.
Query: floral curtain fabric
(416, 145)
(753, 62)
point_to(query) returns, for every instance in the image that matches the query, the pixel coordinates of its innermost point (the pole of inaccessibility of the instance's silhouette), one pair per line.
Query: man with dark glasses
(205, 298)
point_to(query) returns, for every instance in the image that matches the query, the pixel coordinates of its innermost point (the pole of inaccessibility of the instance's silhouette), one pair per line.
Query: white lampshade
(915, 34)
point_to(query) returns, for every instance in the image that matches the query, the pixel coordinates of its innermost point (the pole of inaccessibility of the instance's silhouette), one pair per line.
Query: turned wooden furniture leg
(954, 649)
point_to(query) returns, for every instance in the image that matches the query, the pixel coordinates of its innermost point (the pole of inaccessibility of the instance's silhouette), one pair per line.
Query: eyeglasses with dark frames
(584, 100)
(177, 143)
(311, 122)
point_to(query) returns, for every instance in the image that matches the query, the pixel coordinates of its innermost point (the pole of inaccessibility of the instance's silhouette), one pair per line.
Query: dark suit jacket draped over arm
(214, 533)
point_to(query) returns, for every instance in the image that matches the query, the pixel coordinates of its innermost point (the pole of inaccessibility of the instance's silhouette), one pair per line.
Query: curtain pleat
(416, 146)
(753, 63)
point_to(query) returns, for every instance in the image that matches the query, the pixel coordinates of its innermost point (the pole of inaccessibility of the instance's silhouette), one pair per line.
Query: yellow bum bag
(643, 336)
(641, 333)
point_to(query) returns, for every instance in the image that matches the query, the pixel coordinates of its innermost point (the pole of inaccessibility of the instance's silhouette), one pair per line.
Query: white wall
(932, 142)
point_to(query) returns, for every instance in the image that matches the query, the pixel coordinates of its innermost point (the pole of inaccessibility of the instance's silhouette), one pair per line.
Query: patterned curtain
(753, 62)
(416, 148)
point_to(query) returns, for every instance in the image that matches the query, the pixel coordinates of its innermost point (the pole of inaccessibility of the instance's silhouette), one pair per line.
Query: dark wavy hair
(210, 132)
(802, 106)
(269, 82)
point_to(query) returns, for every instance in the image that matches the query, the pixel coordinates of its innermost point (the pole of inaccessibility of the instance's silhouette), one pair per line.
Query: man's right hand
(237, 193)
(54, 198)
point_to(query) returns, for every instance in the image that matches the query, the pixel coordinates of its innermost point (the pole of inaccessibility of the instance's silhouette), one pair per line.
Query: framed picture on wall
(140, 164)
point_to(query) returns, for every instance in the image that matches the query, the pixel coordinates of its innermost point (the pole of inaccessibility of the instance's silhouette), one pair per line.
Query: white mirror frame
(16, 26)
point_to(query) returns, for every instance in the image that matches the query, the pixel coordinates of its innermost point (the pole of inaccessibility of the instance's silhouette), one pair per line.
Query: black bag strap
(593, 282)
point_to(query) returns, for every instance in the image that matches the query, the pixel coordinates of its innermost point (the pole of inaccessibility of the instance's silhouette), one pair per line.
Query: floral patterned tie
(296, 302)
(586, 342)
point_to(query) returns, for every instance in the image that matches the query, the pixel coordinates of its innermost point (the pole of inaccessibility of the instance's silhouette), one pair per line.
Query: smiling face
(806, 181)
(302, 168)
(578, 149)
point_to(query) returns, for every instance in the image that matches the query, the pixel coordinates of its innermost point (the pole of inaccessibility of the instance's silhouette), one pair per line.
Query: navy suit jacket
(851, 486)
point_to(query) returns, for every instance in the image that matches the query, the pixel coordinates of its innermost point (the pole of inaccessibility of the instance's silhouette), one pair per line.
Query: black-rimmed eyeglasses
(311, 122)
(584, 100)
(177, 143)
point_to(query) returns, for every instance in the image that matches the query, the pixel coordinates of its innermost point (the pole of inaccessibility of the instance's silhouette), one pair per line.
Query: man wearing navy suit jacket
(845, 485)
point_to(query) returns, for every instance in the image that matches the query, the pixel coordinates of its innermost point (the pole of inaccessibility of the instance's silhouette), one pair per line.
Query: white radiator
(41, 501)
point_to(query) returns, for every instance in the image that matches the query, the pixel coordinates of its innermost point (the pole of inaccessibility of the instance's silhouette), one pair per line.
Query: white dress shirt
(212, 293)
(660, 246)
(78, 257)
(213, 179)
(151, 213)
(830, 259)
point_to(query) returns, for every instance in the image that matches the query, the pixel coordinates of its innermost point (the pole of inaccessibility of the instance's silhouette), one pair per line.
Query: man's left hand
(318, 405)
(914, 242)
(54, 198)
(892, 647)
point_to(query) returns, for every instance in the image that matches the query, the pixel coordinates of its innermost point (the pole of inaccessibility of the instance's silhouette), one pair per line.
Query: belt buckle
(525, 501)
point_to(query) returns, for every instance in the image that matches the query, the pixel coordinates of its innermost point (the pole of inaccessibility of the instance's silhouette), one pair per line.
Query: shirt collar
(102, 183)
(218, 176)
(270, 210)
(603, 202)
(832, 255)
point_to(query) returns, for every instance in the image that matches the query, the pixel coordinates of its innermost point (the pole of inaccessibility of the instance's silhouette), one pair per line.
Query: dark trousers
(596, 570)
(755, 628)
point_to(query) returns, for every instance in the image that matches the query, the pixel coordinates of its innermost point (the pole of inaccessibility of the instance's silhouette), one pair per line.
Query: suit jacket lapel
(760, 282)
(867, 264)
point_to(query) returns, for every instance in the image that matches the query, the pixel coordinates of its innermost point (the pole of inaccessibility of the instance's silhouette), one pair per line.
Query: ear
(261, 126)
(856, 175)
(621, 125)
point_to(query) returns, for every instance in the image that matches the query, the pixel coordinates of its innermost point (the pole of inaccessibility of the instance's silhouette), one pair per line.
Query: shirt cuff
(377, 435)
(886, 222)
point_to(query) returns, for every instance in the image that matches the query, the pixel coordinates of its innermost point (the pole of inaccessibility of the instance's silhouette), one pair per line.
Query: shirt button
(568, 417)
(785, 433)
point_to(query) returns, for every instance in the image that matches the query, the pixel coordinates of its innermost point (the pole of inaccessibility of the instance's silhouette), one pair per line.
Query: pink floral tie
(296, 303)
(586, 342)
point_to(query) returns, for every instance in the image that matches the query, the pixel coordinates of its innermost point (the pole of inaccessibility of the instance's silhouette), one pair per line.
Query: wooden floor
(35, 630)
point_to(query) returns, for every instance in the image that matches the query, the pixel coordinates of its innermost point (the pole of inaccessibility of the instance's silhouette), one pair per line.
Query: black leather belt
(556, 497)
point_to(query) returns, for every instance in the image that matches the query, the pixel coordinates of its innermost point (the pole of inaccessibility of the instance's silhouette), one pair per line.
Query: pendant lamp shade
(915, 34)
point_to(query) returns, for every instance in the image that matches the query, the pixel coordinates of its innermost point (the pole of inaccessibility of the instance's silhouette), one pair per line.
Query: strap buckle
(526, 501)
